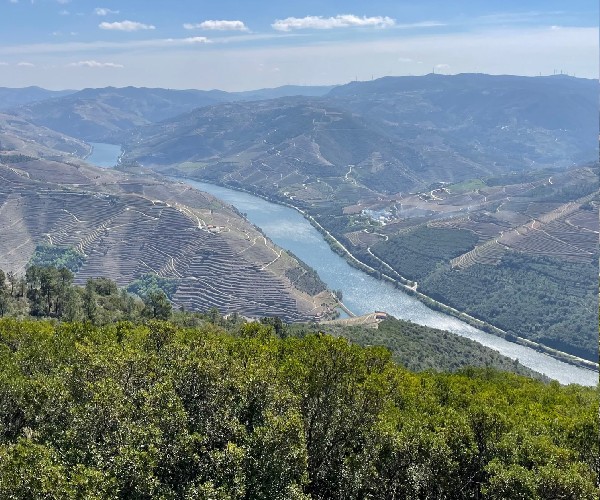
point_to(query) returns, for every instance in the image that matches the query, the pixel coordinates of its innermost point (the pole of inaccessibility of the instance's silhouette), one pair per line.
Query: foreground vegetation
(420, 348)
(48, 292)
(161, 411)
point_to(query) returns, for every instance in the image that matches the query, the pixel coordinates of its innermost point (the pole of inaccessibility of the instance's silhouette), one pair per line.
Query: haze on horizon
(60, 44)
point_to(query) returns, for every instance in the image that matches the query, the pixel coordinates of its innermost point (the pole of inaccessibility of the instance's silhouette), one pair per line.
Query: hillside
(418, 347)
(104, 114)
(522, 256)
(163, 411)
(20, 137)
(459, 187)
(125, 226)
(396, 134)
(12, 97)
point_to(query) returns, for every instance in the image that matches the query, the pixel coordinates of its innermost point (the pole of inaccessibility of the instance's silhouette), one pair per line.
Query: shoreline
(434, 304)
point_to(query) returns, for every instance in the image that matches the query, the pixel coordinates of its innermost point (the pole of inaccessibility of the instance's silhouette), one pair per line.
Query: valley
(299, 250)
(363, 293)
(418, 184)
(446, 202)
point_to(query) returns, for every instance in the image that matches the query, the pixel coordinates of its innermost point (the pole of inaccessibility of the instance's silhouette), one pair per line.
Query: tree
(33, 276)
(157, 305)
(214, 316)
(12, 280)
(89, 301)
(276, 323)
(4, 302)
(71, 309)
(3, 294)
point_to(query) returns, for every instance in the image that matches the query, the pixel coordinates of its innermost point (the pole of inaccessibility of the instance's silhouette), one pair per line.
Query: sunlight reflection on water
(363, 294)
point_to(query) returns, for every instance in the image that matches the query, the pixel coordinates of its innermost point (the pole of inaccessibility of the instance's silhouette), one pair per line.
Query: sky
(245, 44)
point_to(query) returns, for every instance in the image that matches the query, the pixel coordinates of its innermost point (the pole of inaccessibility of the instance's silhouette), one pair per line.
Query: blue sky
(252, 44)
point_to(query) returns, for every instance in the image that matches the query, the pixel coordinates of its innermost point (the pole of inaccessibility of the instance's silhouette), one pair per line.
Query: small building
(380, 315)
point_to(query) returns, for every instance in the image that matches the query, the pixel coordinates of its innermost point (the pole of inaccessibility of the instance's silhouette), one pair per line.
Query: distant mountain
(389, 135)
(284, 91)
(104, 114)
(468, 103)
(11, 97)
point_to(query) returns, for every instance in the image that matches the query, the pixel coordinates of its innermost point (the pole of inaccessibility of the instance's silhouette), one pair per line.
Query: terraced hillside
(379, 138)
(23, 138)
(126, 226)
(518, 252)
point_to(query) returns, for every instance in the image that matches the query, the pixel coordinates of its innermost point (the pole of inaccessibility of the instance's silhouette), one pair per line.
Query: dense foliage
(418, 347)
(47, 291)
(565, 291)
(149, 282)
(305, 278)
(52, 256)
(417, 253)
(157, 411)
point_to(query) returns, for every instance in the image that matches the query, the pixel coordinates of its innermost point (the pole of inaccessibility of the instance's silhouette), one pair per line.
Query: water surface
(104, 155)
(361, 293)
(364, 294)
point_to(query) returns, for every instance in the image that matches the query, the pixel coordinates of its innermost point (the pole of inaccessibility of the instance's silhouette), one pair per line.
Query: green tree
(4, 294)
(89, 298)
(157, 305)
(12, 280)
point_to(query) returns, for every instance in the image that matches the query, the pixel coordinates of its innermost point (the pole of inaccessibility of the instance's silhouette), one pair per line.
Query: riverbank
(407, 286)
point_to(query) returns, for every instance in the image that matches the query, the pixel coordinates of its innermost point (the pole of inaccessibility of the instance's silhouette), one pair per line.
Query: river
(104, 155)
(363, 293)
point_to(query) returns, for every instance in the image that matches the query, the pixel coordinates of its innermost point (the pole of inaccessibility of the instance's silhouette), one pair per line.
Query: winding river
(104, 155)
(363, 293)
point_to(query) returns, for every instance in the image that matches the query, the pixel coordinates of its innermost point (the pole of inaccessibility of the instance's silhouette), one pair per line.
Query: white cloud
(101, 11)
(442, 66)
(405, 59)
(13, 1)
(340, 21)
(196, 39)
(2, 63)
(63, 2)
(95, 64)
(125, 26)
(25, 64)
(64, 12)
(217, 25)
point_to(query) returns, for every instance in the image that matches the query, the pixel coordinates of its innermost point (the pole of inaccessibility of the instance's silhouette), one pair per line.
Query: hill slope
(390, 135)
(126, 226)
(11, 97)
(102, 115)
